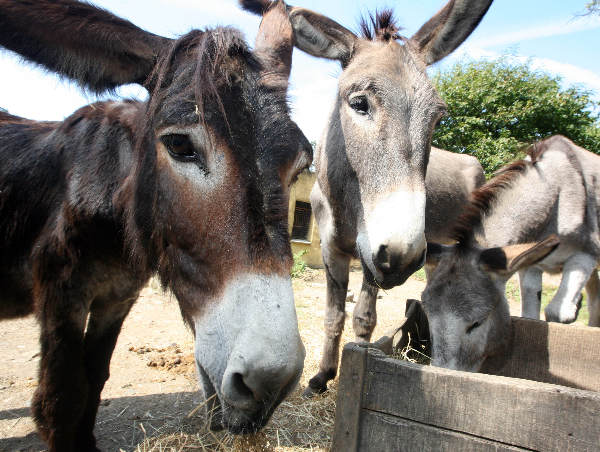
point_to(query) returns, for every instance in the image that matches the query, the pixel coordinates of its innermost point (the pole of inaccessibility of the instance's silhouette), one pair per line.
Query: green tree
(496, 108)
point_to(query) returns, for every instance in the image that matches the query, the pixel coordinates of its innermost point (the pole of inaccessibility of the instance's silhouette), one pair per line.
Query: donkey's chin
(239, 422)
(222, 414)
(393, 278)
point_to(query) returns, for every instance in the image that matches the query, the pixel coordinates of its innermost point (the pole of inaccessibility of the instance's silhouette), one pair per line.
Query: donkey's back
(450, 179)
(590, 168)
(57, 182)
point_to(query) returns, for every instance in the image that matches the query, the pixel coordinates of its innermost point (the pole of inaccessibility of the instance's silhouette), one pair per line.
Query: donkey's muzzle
(248, 383)
(393, 270)
(253, 387)
(249, 348)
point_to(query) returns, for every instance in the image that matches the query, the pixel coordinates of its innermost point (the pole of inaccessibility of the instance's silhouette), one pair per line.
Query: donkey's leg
(566, 303)
(530, 283)
(103, 328)
(337, 266)
(593, 292)
(60, 398)
(365, 312)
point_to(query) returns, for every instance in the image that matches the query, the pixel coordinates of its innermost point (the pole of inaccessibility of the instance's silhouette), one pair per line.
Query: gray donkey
(547, 202)
(369, 199)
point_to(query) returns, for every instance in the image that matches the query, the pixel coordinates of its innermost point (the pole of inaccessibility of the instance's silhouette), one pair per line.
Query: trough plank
(385, 433)
(567, 355)
(523, 413)
(349, 398)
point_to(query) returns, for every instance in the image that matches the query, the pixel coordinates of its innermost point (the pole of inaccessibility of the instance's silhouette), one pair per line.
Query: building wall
(300, 191)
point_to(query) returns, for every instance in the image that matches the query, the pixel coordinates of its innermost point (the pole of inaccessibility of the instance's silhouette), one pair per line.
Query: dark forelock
(381, 26)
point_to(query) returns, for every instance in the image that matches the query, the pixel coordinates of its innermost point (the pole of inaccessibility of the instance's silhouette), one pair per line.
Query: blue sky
(550, 34)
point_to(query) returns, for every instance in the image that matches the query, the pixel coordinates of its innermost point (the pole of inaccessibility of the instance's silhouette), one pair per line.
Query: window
(301, 225)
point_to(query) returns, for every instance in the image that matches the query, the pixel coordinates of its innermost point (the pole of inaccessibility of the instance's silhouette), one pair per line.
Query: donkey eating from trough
(538, 214)
(369, 198)
(192, 184)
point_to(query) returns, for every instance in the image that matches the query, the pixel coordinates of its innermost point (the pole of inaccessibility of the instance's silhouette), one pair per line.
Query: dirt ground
(149, 402)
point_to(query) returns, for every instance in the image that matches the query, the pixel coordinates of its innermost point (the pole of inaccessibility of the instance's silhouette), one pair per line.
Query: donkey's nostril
(237, 392)
(383, 259)
(239, 387)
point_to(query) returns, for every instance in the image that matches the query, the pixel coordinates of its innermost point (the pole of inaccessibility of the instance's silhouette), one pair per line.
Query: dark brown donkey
(192, 185)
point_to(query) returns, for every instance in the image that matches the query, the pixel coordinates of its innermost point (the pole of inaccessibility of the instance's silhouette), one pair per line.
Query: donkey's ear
(275, 43)
(509, 259)
(435, 252)
(82, 42)
(448, 29)
(320, 36)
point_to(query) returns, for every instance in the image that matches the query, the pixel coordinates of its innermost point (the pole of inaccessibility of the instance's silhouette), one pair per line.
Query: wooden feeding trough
(544, 394)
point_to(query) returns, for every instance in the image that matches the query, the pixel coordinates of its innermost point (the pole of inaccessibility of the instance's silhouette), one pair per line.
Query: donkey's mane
(381, 26)
(482, 198)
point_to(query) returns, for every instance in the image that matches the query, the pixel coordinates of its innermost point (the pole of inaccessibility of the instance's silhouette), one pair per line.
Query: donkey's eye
(473, 326)
(179, 146)
(359, 104)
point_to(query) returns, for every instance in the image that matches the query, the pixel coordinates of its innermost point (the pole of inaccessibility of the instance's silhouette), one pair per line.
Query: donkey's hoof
(568, 315)
(309, 392)
(316, 385)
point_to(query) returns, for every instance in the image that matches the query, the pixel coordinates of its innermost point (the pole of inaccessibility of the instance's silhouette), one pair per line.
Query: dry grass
(299, 424)
(414, 355)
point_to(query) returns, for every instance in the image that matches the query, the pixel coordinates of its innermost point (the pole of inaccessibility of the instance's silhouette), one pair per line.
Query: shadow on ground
(124, 422)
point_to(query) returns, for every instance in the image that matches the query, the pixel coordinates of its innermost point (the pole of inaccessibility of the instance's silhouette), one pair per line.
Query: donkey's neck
(98, 144)
(336, 176)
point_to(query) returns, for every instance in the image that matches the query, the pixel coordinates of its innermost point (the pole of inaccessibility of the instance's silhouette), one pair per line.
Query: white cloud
(220, 12)
(32, 93)
(571, 74)
(540, 31)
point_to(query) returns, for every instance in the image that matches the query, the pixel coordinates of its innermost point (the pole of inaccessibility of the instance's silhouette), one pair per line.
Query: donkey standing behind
(369, 198)
(513, 223)
(192, 184)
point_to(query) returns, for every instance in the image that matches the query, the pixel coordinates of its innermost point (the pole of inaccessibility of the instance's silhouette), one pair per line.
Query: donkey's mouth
(389, 280)
(240, 422)
(400, 274)
(221, 414)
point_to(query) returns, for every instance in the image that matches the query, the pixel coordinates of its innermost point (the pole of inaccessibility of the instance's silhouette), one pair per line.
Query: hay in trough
(414, 352)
